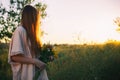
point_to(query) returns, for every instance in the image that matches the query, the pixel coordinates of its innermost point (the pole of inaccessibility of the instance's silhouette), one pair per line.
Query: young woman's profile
(24, 46)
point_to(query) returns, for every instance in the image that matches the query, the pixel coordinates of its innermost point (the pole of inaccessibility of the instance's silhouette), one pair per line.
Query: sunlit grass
(86, 62)
(77, 62)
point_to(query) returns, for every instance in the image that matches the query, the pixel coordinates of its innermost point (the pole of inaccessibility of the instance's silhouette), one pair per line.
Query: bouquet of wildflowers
(47, 53)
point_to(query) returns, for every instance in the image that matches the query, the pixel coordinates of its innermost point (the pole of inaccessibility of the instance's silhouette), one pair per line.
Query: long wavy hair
(30, 20)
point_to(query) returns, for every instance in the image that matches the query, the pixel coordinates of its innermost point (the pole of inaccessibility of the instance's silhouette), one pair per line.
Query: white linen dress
(20, 45)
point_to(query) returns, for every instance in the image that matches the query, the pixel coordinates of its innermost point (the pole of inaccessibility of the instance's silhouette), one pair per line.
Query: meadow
(76, 62)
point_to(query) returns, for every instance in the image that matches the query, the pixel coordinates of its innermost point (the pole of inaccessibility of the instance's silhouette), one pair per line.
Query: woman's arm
(25, 60)
(22, 59)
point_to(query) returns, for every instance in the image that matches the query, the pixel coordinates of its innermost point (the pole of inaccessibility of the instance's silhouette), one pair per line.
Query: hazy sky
(80, 21)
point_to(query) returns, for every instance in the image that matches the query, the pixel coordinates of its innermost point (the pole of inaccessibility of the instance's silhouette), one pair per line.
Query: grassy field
(77, 62)
(5, 71)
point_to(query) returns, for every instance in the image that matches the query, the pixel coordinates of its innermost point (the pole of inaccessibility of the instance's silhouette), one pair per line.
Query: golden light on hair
(31, 22)
(38, 29)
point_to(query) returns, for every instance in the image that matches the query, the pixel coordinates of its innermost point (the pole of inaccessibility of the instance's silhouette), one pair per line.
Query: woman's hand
(41, 65)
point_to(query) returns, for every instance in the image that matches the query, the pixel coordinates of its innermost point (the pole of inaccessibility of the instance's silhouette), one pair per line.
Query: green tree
(10, 16)
(117, 22)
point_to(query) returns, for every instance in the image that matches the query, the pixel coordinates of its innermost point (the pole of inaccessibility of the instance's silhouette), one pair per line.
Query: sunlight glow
(81, 21)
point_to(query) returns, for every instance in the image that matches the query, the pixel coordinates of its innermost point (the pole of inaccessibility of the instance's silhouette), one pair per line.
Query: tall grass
(5, 71)
(77, 62)
(86, 62)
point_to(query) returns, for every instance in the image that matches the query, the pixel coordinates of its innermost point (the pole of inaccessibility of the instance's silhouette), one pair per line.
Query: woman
(25, 45)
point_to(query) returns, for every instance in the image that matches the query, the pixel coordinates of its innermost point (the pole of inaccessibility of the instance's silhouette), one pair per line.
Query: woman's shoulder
(20, 29)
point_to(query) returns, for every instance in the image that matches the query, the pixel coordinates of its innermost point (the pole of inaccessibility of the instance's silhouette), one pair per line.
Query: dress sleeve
(17, 43)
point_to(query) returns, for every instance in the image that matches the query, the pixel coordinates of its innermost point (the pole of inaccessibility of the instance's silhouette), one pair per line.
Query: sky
(80, 21)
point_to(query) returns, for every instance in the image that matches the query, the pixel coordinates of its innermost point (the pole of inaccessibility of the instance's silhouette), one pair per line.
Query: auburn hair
(30, 20)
